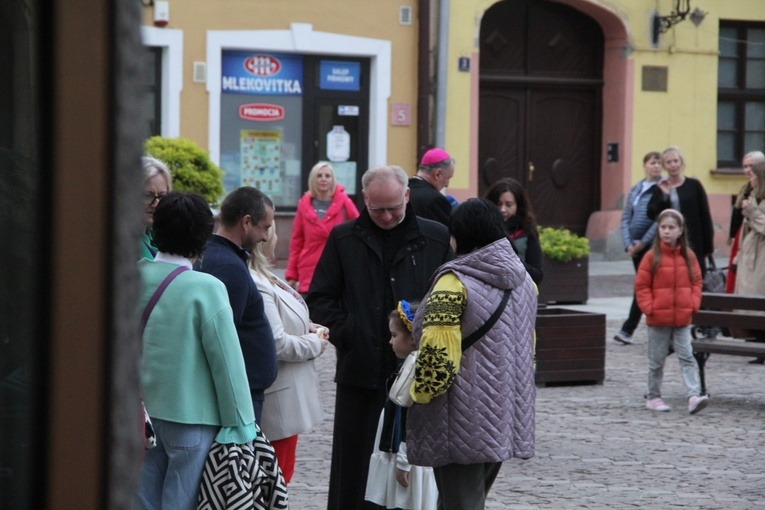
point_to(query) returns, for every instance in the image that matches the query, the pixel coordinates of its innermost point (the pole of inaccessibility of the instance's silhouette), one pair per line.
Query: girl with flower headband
(392, 482)
(668, 291)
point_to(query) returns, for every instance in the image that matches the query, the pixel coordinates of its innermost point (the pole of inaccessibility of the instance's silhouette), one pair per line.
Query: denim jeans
(172, 471)
(659, 341)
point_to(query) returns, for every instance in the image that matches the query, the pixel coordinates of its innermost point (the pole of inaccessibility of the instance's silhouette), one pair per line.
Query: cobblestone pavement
(597, 445)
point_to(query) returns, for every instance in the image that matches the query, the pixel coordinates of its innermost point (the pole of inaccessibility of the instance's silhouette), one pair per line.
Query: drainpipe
(423, 80)
(441, 67)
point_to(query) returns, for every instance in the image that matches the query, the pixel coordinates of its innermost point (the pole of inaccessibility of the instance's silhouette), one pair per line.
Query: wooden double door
(540, 107)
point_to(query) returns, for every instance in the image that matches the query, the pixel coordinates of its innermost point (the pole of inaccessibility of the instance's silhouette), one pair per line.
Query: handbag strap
(475, 335)
(157, 293)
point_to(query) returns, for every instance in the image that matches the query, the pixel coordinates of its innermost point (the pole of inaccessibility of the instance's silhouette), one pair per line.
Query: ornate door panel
(502, 141)
(541, 66)
(563, 183)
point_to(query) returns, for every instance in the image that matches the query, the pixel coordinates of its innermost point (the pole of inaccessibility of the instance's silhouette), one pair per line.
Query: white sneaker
(657, 404)
(624, 337)
(696, 404)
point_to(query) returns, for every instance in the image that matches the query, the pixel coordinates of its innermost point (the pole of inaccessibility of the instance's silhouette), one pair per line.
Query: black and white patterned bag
(243, 476)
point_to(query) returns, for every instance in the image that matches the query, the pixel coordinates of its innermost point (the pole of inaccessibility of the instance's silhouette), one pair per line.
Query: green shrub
(190, 166)
(563, 245)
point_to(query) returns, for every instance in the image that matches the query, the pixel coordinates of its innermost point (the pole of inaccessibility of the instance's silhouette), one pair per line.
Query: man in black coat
(435, 171)
(367, 266)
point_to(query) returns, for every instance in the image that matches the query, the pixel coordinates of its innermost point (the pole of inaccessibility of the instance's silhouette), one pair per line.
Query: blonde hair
(677, 151)
(758, 169)
(259, 261)
(313, 188)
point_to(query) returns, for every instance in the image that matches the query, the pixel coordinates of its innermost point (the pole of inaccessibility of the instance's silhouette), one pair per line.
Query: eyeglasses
(150, 198)
(383, 210)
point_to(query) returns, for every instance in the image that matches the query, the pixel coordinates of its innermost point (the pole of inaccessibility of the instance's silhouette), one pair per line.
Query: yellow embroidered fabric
(441, 344)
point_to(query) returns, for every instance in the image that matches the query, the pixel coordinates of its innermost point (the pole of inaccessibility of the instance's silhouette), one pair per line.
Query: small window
(740, 92)
(152, 106)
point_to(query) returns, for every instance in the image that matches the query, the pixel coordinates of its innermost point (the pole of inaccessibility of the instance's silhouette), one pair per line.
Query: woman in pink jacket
(324, 205)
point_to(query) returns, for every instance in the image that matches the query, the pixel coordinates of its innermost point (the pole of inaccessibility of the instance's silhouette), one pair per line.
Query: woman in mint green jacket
(192, 371)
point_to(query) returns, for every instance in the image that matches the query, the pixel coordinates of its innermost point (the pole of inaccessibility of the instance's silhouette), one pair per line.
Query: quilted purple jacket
(487, 415)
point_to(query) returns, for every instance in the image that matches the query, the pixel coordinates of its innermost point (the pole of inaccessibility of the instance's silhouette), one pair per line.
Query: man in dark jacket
(246, 215)
(436, 169)
(367, 266)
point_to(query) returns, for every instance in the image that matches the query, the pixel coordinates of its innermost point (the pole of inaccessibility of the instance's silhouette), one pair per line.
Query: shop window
(740, 92)
(23, 204)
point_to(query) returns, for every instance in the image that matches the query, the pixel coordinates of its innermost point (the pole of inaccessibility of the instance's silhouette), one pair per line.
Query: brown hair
(682, 241)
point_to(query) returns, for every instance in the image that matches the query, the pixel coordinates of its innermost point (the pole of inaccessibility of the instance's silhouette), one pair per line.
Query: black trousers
(357, 411)
(633, 319)
(465, 486)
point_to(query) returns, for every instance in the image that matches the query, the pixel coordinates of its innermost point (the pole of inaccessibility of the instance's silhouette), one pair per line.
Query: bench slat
(729, 301)
(728, 319)
(731, 347)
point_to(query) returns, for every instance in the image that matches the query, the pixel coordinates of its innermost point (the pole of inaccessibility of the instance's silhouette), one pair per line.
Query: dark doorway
(540, 113)
(336, 125)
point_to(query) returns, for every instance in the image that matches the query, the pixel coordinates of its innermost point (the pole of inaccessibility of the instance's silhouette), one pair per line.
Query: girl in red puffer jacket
(668, 291)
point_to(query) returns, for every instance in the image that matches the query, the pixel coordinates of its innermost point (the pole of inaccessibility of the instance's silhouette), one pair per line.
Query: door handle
(531, 171)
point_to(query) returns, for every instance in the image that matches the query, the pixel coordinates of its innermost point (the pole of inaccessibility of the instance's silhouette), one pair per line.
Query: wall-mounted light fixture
(660, 24)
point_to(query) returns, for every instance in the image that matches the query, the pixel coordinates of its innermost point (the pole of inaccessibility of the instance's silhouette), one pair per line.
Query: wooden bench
(735, 313)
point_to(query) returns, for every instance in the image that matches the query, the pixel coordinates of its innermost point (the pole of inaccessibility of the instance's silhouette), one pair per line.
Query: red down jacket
(668, 298)
(309, 234)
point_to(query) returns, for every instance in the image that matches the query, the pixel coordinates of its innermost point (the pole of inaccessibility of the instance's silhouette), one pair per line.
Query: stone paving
(597, 445)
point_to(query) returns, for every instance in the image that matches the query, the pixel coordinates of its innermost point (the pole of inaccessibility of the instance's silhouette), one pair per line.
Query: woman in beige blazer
(293, 402)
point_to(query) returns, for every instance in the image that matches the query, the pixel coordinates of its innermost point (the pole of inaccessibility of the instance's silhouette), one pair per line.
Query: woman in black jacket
(513, 202)
(686, 195)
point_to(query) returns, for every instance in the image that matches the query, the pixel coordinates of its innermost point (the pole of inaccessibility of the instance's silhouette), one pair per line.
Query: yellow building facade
(565, 95)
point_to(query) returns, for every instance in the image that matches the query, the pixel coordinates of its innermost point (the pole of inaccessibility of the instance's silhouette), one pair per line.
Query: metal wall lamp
(660, 24)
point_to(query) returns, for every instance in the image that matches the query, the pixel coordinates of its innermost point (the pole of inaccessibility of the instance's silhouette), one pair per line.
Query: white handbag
(399, 391)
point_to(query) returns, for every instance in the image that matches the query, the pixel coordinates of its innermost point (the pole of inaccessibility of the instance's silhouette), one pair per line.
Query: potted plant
(190, 166)
(571, 345)
(566, 257)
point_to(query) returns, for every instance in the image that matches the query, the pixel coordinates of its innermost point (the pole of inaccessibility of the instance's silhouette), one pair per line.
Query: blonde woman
(293, 403)
(324, 205)
(750, 272)
(686, 195)
(156, 184)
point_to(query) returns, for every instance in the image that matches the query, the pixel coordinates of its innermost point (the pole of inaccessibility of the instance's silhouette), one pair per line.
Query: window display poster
(261, 165)
(272, 147)
(338, 144)
(345, 173)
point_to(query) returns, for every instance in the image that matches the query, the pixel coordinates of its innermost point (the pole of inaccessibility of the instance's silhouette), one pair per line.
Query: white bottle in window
(338, 144)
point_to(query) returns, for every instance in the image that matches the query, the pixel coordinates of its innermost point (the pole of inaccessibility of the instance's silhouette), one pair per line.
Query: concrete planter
(565, 282)
(571, 346)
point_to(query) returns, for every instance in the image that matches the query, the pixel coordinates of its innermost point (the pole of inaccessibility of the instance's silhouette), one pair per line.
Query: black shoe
(757, 361)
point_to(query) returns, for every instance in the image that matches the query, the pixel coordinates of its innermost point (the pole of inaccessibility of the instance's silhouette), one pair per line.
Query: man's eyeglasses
(150, 198)
(383, 210)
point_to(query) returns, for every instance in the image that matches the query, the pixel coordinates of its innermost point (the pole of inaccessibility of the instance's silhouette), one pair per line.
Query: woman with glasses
(324, 205)
(156, 184)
